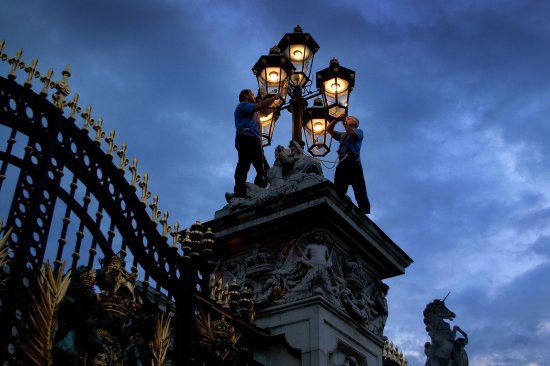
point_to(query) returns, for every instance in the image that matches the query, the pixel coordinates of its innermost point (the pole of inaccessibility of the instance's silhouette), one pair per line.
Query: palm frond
(4, 247)
(161, 339)
(3, 253)
(42, 318)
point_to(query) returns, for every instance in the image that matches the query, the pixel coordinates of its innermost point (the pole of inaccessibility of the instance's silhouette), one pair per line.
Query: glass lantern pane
(274, 80)
(336, 86)
(336, 111)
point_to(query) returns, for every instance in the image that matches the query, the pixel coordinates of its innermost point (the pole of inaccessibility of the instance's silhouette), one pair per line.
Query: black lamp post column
(297, 107)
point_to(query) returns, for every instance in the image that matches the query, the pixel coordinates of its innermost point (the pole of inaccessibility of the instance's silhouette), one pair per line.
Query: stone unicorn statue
(445, 349)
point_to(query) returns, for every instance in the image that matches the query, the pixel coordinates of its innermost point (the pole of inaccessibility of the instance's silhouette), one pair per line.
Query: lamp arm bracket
(312, 95)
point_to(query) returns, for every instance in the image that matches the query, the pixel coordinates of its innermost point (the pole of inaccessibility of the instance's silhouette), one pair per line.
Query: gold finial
(124, 161)
(31, 73)
(176, 236)
(155, 213)
(136, 178)
(46, 83)
(73, 104)
(145, 194)
(63, 88)
(186, 244)
(99, 134)
(165, 226)
(88, 121)
(15, 63)
(111, 144)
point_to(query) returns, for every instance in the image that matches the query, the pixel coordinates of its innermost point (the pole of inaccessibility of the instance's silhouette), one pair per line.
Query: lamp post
(287, 70)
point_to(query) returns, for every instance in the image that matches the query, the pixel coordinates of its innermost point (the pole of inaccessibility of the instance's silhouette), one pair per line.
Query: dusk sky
(453, 98)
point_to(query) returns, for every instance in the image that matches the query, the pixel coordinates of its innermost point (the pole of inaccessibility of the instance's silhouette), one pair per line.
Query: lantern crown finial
(334, 62)
(274, 50)
(298, 29)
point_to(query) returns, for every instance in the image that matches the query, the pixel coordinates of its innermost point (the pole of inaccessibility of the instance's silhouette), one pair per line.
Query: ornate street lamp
(289, 72)
(273, 74)
(315, 129)
(335, 83)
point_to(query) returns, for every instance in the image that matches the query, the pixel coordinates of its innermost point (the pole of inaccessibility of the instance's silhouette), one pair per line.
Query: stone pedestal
(314, 265)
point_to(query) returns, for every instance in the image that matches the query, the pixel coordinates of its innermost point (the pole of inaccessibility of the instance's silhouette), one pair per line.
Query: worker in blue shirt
(349, 170)
(248, 140)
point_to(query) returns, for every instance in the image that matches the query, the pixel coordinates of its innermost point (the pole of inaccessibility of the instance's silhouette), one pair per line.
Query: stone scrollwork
(309, 266)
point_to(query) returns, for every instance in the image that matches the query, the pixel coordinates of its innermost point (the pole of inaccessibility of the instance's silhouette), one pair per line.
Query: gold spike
(111, 144)
(46, 83)
(3, 56)
(74, 107)
(176, 236)
(155, 213)
(99, 134)
(145, 194)
(124, 161)
(63, 88)
(31, 73)
(136, 177)
(88, 120)
(15, 63)
(165, 226)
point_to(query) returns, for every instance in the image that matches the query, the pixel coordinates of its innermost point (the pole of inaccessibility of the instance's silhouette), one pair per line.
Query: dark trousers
(249, 149)
(350, 172)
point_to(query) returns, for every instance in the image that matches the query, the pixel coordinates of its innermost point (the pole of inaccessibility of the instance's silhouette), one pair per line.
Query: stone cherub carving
(289, 162)
(292, 170)
(444, 349)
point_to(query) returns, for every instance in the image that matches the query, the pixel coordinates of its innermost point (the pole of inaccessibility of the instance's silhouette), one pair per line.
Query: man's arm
(332, 124)
(350, 131)
(266, 103)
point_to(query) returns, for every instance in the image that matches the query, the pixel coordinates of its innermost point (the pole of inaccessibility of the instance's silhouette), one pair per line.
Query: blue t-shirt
(347, 144)
(247, 121)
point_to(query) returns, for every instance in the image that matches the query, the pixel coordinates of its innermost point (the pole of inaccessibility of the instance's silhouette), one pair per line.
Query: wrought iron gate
(65, 195)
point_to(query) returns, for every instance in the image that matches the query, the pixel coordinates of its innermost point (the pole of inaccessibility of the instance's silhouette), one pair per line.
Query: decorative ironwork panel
(66, 201)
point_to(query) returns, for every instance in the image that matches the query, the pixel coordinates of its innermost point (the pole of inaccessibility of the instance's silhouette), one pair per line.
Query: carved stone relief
(309, 266)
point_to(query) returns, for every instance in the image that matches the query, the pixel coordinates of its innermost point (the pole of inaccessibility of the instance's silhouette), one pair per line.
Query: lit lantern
(267, 120)
(315, 129)
(273, 74)
(335, 83)
(299, 48)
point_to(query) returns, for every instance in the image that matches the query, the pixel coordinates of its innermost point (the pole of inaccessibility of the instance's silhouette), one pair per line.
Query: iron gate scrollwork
(66, 200)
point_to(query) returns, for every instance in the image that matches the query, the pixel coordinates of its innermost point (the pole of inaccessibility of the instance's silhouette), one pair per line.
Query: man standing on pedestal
(248, 141)
(349, 170)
